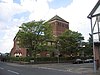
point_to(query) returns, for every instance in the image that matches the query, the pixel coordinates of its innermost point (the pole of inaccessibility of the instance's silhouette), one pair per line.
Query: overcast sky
(15, 12)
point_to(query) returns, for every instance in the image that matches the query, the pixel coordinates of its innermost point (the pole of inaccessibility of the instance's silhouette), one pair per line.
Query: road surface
(16, 69)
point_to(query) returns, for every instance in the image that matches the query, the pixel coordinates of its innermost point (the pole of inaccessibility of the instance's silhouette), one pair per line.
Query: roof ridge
(56, 17)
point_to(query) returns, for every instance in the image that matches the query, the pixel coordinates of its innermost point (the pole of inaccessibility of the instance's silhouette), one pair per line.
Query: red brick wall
(59, 27)
(15, 50)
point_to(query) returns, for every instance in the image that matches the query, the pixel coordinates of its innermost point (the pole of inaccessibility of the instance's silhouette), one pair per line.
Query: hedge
(42, 59)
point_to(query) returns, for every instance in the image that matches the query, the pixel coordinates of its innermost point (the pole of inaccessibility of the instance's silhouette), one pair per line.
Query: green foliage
(53, 59)
(88, 49)
(69, 41)
(19, 59)
(89, 46)
(38, 60)
(34, 32)
(90, 39)
(33, 35)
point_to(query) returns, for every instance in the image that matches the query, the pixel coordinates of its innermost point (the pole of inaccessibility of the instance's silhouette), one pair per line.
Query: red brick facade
(58, 25)
(16, 51)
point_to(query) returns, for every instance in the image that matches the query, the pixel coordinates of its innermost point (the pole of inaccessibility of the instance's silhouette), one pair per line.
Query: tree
(88, 51)
(89, 46)
(33, 35)
(90, 40)
(69, 41)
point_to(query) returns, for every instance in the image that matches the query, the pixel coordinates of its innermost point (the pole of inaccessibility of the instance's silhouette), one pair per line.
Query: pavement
(81, 69)
(84, 69)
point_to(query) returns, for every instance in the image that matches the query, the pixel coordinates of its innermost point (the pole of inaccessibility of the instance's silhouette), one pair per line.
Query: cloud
(8, 9)
(7, 1)
(75, 13)
(9, 25)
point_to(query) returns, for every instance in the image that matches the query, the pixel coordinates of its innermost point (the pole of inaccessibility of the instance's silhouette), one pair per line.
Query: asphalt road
(15, 69)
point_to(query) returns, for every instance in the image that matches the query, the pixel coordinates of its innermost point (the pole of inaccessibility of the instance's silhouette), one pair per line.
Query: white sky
(75, 13)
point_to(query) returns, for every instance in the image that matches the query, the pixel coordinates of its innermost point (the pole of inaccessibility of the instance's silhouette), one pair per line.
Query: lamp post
(83, 50)
(94, 63)
(95, 13)
(58, 52)
(92, 33)
(58, 56)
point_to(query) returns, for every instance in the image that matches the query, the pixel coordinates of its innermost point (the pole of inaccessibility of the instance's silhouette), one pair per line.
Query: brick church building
(58, 24)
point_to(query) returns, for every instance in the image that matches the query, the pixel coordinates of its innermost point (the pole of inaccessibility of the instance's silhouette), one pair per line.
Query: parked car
(88, 61)
(78, 61)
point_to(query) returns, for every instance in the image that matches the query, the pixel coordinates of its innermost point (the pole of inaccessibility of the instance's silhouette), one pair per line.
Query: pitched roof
(94, 10)
(56, 17)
